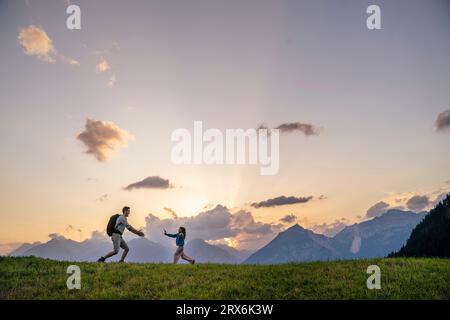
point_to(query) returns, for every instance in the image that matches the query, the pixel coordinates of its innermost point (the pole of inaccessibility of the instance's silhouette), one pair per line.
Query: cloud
(280, 201)
(171, 212)
(331, 229)
(306, 128)
(244, 222)
(418, 203)
(111, 81)
(208, 206)
(327, 229)
(116, 45)
(55, 236)
(288, 219)
(68, 60)
(98, 235)
(443, 121)
(102, 198)
(69, 232)
(414, 201)
(102, 66)
(153, 182)
(103, 138)
(377, 209)
(36, 42)
(440, 198)
(215, 224)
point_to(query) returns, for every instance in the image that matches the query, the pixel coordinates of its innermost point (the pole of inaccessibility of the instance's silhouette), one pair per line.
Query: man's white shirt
(122, 223)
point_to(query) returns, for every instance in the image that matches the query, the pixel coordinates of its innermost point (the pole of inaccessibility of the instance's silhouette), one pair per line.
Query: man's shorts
(118, 242)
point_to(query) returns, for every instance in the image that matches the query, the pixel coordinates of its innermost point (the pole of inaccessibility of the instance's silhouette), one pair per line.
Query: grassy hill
(401, 278)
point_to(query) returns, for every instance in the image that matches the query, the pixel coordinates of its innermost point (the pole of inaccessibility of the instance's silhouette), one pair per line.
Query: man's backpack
(112, 224)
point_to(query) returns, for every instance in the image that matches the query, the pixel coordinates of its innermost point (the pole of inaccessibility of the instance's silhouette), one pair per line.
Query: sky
(87, 115)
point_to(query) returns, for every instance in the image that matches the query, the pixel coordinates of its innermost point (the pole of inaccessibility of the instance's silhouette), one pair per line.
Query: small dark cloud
(153, 182)
(55, 235)
(322, 197)
(306, 128)
(280, 201)
(443, 121)
(290, 218)
(377, 209)
(418, 203)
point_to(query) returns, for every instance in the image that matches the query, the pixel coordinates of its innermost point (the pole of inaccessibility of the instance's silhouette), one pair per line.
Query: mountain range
(373, 238)
(141, 250)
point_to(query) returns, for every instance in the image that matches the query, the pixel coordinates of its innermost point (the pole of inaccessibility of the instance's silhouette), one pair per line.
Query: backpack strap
(116, 230)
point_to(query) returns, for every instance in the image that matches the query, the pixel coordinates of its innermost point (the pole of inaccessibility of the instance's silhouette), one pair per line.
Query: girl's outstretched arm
(170, 234)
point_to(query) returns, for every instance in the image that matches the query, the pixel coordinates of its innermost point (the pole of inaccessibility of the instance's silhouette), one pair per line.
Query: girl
(179, 253)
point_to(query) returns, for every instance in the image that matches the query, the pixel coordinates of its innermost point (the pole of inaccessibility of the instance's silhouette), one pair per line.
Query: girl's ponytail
(183, 231)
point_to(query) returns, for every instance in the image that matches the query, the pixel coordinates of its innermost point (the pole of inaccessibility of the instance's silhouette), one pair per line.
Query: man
(116, 237)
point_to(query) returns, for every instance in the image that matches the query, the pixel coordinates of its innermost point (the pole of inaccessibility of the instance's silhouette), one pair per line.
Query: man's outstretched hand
(135, 231)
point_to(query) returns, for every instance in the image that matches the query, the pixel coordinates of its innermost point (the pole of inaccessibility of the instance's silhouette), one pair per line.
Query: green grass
(401, 278)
